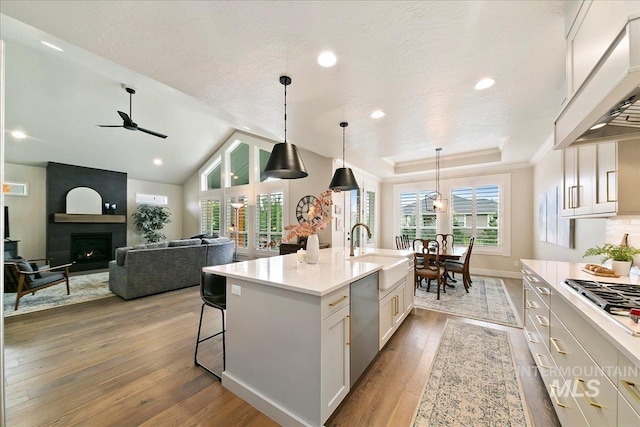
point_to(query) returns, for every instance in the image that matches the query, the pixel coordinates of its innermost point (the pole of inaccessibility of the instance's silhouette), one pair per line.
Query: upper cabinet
(603, 72)
(601, 179)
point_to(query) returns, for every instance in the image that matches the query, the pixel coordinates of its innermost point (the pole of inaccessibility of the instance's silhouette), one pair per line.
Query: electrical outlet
(516, 263)
(236, 290)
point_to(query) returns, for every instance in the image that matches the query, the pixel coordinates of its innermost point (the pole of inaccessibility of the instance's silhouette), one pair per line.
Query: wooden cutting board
(593, 273)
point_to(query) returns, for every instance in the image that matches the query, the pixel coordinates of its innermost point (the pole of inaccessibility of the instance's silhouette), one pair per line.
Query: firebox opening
(90, 247)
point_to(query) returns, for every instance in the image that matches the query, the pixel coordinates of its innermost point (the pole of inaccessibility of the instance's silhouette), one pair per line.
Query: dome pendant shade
(285, 162)
(344, 180)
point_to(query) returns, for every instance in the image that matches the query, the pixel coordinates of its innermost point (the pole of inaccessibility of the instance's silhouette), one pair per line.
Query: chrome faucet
(352, 230)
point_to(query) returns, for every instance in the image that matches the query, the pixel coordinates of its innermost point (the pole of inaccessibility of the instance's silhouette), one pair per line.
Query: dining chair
(213, 292)
(446, 242)
(462, 267)
(402, 242)
(427, 266)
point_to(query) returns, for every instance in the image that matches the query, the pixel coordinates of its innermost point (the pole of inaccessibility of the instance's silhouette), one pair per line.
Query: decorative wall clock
(302, 209)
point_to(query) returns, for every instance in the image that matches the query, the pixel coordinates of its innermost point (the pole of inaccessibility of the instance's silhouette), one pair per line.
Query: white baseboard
(261, 402)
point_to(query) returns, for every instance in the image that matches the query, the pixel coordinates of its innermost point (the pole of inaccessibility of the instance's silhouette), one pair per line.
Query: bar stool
(213, 293)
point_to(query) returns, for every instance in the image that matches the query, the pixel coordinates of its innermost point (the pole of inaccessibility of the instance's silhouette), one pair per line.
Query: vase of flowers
(319, 216)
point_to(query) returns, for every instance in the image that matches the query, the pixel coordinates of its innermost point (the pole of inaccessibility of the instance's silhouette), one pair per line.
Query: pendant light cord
(438, 170)
(285, 113)
(343, 132)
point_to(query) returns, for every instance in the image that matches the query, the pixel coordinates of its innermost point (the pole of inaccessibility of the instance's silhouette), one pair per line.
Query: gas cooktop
(614, 298)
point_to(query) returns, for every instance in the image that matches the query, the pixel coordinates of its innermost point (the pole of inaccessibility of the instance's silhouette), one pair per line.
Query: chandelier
(434, 201)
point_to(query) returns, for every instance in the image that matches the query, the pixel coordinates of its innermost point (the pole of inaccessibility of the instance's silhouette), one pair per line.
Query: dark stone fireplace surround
(112, 186)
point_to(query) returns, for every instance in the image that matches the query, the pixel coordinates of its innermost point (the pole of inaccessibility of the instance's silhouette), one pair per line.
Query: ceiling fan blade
(125, 117)
(110, 126)
(150, 132)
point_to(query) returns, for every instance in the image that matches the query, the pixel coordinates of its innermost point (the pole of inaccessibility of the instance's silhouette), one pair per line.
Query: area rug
(83, 288)
(487, 300)
(472, 381)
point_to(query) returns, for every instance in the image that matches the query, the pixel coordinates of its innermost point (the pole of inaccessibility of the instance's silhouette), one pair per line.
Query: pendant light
(285, 161)
(434, 201)
(343, 178)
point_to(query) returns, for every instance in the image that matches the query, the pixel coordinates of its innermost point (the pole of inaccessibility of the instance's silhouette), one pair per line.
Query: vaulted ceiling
(204, 69)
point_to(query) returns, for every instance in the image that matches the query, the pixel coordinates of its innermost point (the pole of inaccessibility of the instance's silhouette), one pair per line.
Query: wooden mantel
(89, 218)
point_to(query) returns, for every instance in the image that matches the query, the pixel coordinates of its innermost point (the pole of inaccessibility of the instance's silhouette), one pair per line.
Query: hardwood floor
(129, 363)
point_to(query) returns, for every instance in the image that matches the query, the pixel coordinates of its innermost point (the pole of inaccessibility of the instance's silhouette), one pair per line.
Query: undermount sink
(393, 268)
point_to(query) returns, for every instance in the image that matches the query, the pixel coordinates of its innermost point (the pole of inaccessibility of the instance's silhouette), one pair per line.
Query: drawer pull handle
(533, 279)
(543, 321)
(531, 305)
(555, 397)
(542, 365)
(585, 394)
(349, 318)
(543, 291)
(631, 388)
(531, 338)
(555, 344)
(333, 304)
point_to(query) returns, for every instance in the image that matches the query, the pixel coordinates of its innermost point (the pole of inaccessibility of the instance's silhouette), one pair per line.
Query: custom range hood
(606, 107)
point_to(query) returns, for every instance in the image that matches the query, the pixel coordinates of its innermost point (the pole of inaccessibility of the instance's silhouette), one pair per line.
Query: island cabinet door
(336, 337)
(387, 318)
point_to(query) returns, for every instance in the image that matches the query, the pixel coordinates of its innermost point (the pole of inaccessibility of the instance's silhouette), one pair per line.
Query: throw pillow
(25, 266)
(121, 254)
(184, 242)
(157, 245)
(215, 241)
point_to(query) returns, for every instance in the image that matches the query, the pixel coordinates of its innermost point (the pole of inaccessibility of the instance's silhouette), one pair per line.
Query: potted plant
(149, 220)
(621, 256)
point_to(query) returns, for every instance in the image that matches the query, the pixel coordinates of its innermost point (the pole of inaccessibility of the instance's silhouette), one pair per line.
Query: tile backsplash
(619, 225)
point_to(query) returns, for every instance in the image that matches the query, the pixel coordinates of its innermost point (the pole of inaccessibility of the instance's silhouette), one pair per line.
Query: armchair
(29, 280)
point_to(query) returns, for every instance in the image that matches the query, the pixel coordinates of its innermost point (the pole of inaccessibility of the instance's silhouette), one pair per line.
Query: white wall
(173, 230)
(191, 206)
(27, 217)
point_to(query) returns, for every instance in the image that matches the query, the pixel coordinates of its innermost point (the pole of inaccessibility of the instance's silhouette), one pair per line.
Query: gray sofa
(159, 267)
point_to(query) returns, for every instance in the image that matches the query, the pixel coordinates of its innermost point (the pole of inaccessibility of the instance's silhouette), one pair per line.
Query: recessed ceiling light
(18, 134)
(598, 126)
(157, 162)
(52, 46)
(327, 59)
(246, 127)
(377, 114)
(484, 84)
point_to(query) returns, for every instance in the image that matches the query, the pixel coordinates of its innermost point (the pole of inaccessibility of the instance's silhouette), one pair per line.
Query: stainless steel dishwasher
(364, 324)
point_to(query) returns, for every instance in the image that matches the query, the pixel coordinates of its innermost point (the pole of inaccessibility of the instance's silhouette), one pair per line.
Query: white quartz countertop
(555, 272)
(334, 270)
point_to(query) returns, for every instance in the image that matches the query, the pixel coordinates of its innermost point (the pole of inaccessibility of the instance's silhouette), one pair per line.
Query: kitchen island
(288, 339)
(588, 358)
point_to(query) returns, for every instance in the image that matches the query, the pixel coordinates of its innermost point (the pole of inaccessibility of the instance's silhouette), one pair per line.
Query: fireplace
(91, 248)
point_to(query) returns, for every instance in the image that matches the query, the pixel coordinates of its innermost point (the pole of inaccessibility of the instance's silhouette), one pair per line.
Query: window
(269, 223)
(212, 176)
(416, 221)
(210, 217)
(478, 206)
(476, 212)
(239, 164)
(264, 155)
(370, 213)
(238, 230)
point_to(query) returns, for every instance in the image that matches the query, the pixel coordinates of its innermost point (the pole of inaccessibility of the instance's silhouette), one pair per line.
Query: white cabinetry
(409, 288)
(392, 313)
(601, 180)
(589, 381)
(335, 360)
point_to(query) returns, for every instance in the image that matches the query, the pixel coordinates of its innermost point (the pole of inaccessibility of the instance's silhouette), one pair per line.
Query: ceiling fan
(127, 121)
